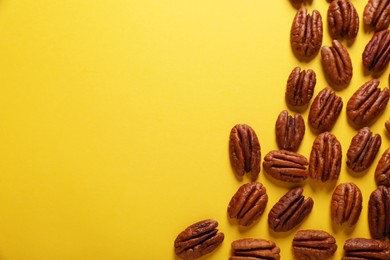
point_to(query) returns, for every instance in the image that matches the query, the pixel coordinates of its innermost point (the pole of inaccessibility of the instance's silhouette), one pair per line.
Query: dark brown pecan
(337, 64)
(252, 249)
(377, 14)
(289, 131)
(300, 87)
(325, 158)
(306, 33)
(244, 150)
(376, 54)
(366, 249)
(198, 239)
(382, 171)
(387, 126)
(313, 245)
(367, 103)
(289, 211)
(286, 166)
(379, 213)
(325, 110)
(343, 20)
(346, 204)
(363, 149)
(248, 203)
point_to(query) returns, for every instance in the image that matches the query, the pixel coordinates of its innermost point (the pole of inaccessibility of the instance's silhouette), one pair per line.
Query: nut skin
(198, 240)
(251, 249)
(379, 213)
(337, 64)
(367, 103)
(377, 14)
(346, 204)
(343, 20)
(376, 54)
(366, 249)
(286, 166)
(248, 203)
(325, 158)
(244, 151)
(387, 126)
(300, 87)
(289, 211)
(382, 171)
(313, 245)
(289, 131)
(306, 33)
(363, 149)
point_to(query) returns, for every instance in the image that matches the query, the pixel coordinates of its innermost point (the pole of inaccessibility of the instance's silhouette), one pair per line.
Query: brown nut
(251, 249)
(346, 204)
(325, 110)
(377, 14)
(289, 211)
(325, 158)
(306, 33)
(198, 240)
(343, 20)
(363, 149)
(289, 131)
(244, 151)
(286, 166)
(300, 87)
(379, 213)
(387, 126)
(366, 249)
(367, 103)
(382, 171)
(376, 54)
(248, 203)
(313, 245)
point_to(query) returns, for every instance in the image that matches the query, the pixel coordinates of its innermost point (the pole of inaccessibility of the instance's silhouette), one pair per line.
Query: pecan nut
(306, 33)
(346, 204)
(251, 248)
(313, 245)
(248, 203)
(325, 110)
(363, 149)
(289, 131)
(286, 166)
(337, 64)
(382, 171)
(377, 14)
(300, 87)
(366, 249)
(387, 126)
(376, 54)
(379, 213)
(244, 151)
(367, 103)
(289, 211)
(343, 20)
(198, 240)
(325, 158)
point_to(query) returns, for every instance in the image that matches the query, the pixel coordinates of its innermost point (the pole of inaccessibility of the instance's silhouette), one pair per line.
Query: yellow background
(115, 118)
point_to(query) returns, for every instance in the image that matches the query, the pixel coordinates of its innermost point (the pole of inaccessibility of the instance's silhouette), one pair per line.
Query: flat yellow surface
(115, 118)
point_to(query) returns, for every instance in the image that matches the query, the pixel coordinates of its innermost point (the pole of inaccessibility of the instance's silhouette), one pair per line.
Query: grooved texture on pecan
(252, 249)
(377, 14)
(363, 149)
(382, 171)
(313, 245)
(379, 213)
(376, 54)
(366, 249)
(343, 20)
(300, 87)
(286, 166)
(346, 204)
(367, 103)
(289, 131)
(198, 240)
(306, 33)
(248, 203)
(325, 110)
(289, 211)
(244, 151)
(325, 158)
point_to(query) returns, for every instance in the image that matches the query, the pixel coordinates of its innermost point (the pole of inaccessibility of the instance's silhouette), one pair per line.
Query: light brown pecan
(286, 166)
(325, 110)
(325, 158)
(198, 240)
(377, 14)
(343, 20)
(376, 54)
(379, 213)
(248, 203)
(289, 131)
(306, 33)
(366, 249)
(289, 211)
(244, 151)
(363, 149)
(300, 87)
(382, 171)
(367, 103)
(252, 249)
(346, 204)
(313, 245)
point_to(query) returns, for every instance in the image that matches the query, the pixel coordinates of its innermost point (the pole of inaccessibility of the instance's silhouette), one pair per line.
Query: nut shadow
(357, 174)
(320, 186)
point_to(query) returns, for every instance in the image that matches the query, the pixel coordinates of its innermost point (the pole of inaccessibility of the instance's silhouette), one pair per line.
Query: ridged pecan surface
(313, 245)
(254, 249)
(346, 204)
(377, 14)
(366, 249)
(382, 171)
(289, 131)
(376, 54)
(343, 20)
(379, 213)
(300, 87)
